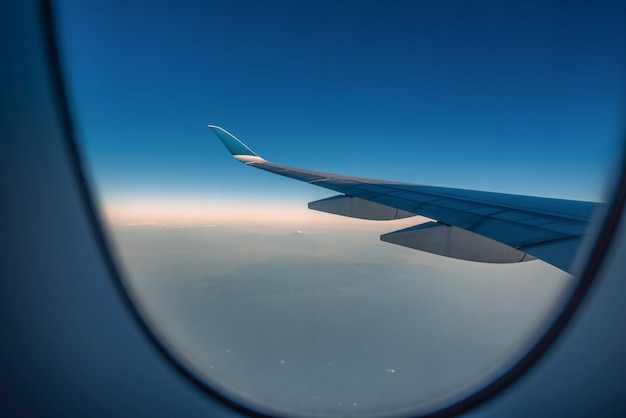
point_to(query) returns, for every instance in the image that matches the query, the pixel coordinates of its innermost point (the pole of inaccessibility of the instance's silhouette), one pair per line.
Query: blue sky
(523, 98)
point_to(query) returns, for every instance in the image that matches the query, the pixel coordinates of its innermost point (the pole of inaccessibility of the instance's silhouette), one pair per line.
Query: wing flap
(450, 241)
(355, 207)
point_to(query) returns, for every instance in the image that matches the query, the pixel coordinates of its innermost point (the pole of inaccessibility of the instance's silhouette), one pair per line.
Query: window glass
(297, 311)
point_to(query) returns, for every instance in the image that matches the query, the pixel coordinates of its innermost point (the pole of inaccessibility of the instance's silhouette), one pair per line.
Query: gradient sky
(522, 98)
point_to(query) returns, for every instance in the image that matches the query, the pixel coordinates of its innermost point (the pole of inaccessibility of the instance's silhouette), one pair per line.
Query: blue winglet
(237, 148)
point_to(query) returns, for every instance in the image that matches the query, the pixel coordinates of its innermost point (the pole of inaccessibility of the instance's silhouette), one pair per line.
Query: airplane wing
(467, 224)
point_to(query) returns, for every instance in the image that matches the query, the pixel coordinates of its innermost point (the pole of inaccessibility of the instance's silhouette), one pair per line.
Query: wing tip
(238, 149)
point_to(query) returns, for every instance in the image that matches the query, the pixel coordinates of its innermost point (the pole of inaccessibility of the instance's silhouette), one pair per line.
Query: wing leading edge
(470, 225)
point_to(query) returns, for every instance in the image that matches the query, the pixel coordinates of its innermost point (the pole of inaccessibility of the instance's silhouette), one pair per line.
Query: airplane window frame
(602, 239)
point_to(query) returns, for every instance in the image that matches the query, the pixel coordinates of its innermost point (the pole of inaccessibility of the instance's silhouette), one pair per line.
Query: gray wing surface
(468, 224)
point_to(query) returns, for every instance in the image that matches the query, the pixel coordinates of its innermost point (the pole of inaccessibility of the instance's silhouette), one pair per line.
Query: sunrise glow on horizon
(199, 212)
